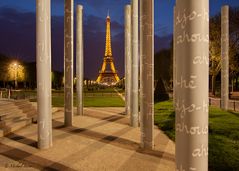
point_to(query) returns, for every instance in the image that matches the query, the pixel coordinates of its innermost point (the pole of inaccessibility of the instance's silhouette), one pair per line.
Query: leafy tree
(4, 63)
(163, 74)
(215, 46)
(31, 74)
(57, 79)
(234, 40)
(16, 71)
(11, 70)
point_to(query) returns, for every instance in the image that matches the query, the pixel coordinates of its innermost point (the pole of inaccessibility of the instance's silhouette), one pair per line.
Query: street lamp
(16, 72)
(16, 66)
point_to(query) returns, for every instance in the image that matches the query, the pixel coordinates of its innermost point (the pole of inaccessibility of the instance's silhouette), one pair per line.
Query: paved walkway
(101, 140)
(120, 94)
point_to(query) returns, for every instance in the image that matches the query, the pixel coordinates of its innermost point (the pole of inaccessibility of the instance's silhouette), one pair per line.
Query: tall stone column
(79, 60)
(147, 73)
(128, 59)
(68, 68)
(135, 64)
(174, 58)
(225, 57)
(50, 104)
(192, 57)
(43, 59)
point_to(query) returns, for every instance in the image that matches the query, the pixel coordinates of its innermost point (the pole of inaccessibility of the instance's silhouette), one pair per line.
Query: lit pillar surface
(192, 57)
(43, 59)
(174, 59)
(79, 60)
(225, 57)
(128, 59)
(135, 64)
(68, 68)
(147, 73)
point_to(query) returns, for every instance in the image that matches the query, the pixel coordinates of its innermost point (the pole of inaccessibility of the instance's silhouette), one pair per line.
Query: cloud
(18, 38)
(94, 24)
(161, 30)
(58, 1)
(102, 4)
(162, 42)
(17, 34)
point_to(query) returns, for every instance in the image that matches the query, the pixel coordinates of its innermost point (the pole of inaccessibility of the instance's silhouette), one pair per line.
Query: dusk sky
(17, 29)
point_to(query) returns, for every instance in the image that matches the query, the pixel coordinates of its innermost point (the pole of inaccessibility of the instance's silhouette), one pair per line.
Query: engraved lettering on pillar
(174, 57)
(128, 59)
(43, 58)
(225, 57)
(191, 84)
(79, 60)
(68, 54)
(134, 117)
(146, 73)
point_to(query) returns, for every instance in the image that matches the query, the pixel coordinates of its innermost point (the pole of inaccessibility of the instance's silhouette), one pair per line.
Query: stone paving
(102, 140)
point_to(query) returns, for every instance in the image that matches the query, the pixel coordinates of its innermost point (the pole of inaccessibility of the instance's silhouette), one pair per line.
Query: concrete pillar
(43, 59)
(135, 64)
(225, 56)
(79, 60)
(192, 57)
(174, 58)
(128, 59)
(147, 73)
(68, 68)
(50, 104)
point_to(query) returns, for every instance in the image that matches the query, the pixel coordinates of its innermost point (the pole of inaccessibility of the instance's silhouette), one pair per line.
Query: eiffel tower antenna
(108, 14)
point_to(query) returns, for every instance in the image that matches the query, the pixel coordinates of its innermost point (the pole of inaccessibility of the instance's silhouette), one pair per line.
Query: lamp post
(16, 66)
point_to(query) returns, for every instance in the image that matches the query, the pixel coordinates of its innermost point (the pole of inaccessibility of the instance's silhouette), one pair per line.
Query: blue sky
(17, 30)
(163, 9)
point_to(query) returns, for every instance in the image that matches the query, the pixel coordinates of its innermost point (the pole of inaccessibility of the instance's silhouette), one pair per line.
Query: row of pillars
(191, 29)
(191, 87)
(146, 117)
(190, 74)
(43, 29)
(224, 58)
(191, 49)
(43, 57)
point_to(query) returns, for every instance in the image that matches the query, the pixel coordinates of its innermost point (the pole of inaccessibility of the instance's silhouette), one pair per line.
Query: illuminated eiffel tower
(108, 75)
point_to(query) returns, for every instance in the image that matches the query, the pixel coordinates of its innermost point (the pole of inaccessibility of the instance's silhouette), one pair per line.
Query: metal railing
(17, 94)
(232, 105)
(31, 94)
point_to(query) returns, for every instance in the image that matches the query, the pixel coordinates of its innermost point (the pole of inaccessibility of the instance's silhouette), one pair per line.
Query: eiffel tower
(108, 75)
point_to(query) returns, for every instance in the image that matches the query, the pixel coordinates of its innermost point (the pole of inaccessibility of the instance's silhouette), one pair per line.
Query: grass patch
(103, 102)
(96, 101)
(165, 118)
(223, 134)
(106, 97)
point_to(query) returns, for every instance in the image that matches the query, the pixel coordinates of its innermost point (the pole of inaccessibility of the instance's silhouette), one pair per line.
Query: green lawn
(103, 102)
(109, 91)
(104, 97)
(223, 135)
(97, 101)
